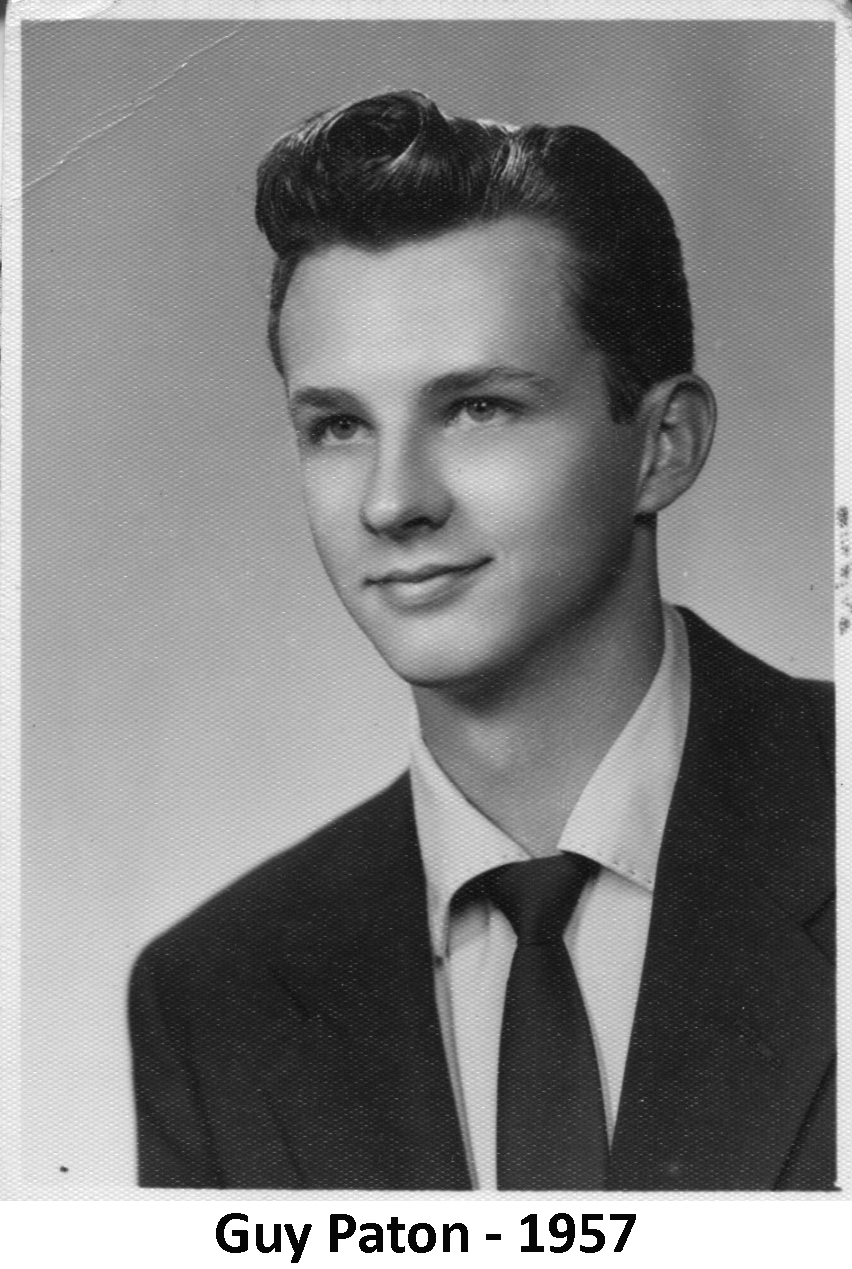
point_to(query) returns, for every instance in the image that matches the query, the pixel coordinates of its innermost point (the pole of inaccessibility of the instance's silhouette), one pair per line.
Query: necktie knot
(538, 896)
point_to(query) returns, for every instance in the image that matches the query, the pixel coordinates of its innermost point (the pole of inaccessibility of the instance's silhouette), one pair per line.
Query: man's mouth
(423, 573)
(427, 582)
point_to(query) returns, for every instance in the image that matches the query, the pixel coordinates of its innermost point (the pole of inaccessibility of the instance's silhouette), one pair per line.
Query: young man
(586, 941)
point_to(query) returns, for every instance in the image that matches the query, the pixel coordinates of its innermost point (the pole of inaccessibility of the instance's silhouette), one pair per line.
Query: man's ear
(678, 416)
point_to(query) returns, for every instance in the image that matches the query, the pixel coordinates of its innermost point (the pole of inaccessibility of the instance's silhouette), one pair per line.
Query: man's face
(469, 495)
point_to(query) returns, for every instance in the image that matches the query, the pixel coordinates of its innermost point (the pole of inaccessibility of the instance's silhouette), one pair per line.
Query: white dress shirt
(618, 821)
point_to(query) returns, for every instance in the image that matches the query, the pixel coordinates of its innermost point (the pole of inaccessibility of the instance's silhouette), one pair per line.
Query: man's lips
(423, 573)
(436, 582)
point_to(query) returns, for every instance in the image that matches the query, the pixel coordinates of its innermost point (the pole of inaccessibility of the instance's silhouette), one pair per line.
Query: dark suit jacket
(285, 1035)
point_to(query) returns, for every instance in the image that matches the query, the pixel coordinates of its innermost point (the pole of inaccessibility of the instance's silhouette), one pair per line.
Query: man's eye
(337, 430)
(481, 410)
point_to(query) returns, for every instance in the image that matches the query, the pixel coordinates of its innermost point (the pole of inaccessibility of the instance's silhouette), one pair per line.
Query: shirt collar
(618, 820)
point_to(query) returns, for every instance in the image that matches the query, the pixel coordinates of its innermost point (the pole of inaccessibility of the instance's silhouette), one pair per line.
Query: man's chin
(436, 673)
(450, 653)
(456, 671)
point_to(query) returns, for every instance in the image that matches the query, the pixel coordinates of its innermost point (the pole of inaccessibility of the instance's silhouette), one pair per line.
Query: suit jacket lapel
(734, 1020)
(365, 1078)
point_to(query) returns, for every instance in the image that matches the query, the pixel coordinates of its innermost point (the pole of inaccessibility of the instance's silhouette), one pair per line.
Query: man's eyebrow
(472, 379)
(321, 398)
(483, 378)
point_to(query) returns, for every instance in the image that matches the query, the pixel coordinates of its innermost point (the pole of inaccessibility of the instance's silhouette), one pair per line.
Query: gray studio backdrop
(194, 698)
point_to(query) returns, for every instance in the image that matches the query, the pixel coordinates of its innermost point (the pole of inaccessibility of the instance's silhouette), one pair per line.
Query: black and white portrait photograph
(423, 569)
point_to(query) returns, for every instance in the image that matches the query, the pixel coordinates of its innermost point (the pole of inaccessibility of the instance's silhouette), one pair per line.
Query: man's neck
(524, 752)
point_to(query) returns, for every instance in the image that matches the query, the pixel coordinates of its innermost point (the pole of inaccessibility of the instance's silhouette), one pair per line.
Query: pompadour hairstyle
(394, 168)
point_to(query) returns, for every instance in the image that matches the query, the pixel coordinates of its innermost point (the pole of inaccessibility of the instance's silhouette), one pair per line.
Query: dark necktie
(551, 1129)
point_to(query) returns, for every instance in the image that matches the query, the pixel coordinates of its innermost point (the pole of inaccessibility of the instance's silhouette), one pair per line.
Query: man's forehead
(460, 312)
(515, 251)
(481, 289)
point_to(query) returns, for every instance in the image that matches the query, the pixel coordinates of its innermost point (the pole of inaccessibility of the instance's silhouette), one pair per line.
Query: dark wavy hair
(394, 168)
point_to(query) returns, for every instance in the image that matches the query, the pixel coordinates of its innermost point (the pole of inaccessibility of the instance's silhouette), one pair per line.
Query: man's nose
(406, 490)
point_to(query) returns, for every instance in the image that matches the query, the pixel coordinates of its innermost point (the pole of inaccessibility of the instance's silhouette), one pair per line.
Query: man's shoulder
(316, 882)
(758, 695)
(758, 766)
